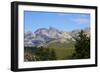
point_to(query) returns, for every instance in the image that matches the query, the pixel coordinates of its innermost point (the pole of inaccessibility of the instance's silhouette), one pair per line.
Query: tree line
(39, 54)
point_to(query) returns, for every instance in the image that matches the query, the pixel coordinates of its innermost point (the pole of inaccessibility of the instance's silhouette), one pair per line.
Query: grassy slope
(62, 50)
(64, 53)
(61, 53)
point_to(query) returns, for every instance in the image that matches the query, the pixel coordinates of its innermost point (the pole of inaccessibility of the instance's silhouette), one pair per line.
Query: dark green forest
(39, 54)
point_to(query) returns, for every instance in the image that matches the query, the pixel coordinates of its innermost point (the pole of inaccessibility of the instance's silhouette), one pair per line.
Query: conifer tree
(82, 46)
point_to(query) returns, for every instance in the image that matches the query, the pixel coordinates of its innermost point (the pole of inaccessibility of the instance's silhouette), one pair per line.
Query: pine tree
(82, 46)
(52, 55)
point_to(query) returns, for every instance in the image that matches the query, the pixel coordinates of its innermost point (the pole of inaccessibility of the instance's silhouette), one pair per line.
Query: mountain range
(51, 36)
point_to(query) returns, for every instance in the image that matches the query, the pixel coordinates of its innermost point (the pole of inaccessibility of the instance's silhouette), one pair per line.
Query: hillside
(50, 44)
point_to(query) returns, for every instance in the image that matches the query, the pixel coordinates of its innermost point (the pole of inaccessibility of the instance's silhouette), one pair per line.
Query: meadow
(43, 54)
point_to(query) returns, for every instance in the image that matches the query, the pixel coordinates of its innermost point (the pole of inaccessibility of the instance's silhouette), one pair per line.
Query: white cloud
(81, 21)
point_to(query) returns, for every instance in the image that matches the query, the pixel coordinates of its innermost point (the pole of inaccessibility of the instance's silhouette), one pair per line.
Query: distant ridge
(44, 36)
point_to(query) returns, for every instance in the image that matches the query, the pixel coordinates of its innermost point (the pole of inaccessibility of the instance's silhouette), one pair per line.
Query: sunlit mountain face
(44, 36)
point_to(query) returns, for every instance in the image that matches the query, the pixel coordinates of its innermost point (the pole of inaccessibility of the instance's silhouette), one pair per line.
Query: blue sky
(60, 21)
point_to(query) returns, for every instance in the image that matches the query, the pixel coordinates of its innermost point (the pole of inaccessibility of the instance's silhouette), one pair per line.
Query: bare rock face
(44, 35)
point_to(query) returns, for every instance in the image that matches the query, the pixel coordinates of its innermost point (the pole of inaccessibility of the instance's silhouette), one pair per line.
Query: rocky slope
(44, 37)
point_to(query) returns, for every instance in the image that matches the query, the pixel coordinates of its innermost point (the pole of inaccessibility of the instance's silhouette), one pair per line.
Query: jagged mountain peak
(47, 35)
(52, 28)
